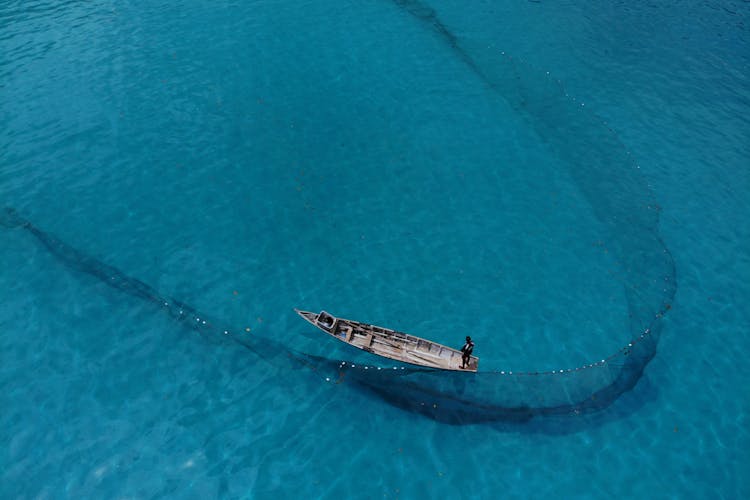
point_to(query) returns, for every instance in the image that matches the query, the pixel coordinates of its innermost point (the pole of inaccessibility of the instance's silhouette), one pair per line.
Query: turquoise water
(246, 159)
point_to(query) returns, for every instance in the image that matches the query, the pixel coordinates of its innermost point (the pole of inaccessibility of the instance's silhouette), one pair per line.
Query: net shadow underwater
(615, 190)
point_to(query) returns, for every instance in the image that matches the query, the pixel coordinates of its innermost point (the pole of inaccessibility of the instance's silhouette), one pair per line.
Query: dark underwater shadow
(444, 404)
(527, 420)
(553, 402)
(447, 397)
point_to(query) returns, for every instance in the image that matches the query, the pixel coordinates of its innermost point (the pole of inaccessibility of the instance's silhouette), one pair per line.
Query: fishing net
(617, 193)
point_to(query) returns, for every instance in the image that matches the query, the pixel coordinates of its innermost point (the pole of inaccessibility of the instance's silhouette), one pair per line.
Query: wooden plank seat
(368, 340)
(348, 333)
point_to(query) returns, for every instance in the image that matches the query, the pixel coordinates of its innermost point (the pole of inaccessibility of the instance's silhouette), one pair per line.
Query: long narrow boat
(390, 343)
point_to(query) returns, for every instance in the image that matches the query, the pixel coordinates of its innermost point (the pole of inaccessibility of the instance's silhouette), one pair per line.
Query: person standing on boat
(467, 349)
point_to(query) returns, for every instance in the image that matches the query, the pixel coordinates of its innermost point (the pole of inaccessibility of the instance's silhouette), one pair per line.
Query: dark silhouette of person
(467, 349)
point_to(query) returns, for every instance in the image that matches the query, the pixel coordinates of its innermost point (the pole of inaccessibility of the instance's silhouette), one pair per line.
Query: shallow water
(248, 159)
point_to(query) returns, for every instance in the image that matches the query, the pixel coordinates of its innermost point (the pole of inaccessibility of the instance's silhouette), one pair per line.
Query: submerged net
(186, 315)
(608, 178)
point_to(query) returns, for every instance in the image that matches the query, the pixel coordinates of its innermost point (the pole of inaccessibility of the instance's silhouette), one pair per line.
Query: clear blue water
(248, 158)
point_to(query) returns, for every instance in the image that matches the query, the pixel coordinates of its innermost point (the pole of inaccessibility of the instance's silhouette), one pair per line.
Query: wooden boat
(390, 343)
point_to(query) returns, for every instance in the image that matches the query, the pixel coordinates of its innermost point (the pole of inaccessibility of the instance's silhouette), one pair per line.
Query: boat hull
(390, 344)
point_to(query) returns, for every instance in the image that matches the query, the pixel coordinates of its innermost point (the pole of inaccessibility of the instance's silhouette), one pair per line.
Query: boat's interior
(393, 344)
